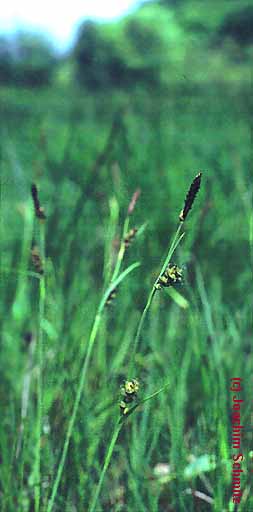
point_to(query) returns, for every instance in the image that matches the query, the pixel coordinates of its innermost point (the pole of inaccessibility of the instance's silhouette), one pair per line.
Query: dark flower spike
(133, 201)
(39, 211)
(190, 197)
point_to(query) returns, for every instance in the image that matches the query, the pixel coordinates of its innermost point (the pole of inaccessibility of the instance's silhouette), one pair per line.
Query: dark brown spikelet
(39, 211)
(129, 238)
(36, 259)
(28, 337)
(111, 297)
(190, 197)
(133, 201)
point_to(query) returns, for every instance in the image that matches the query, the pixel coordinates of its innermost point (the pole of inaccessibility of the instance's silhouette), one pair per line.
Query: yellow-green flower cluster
(171, 276)
(129, 391)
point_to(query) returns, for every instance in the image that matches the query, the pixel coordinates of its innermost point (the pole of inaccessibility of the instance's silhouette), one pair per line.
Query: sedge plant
(38, 258)
(129, 390)
(108, 294)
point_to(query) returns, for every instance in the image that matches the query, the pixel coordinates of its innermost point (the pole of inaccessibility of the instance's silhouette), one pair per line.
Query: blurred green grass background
(88, 152)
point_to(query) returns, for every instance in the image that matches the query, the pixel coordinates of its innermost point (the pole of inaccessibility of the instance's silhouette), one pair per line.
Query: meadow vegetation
(88, 151)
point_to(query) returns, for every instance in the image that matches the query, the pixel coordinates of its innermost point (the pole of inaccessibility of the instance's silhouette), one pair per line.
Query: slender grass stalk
(114, 283)
(20, 299)
(175, 241)
(110, 236)
(25, 397)
(119, 424)
(251, 239)
(108, 457)
(121, 250)
(42, 296)
(82, 379)
(24, 273)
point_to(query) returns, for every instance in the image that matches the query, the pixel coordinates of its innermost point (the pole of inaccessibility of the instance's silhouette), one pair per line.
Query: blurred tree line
(144, 47)
(26, 59)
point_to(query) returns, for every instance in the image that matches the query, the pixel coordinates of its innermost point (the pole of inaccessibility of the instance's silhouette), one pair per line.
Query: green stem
(132, 409)
(108, 457)
(110, 237)
(24, 273)
(175, 241)
(40, 355)
(121, 250)
(139, 329)
(74, 412)
(155, 393)
(82, 379)
(114, 438)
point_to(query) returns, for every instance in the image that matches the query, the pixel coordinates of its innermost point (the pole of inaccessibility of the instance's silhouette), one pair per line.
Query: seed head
(36, 259)
(129, 391)
(173, 275)
(190, 197)
(39, 211)
(111, 297)
(129, 238)
(131, 387)
(133, 201)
